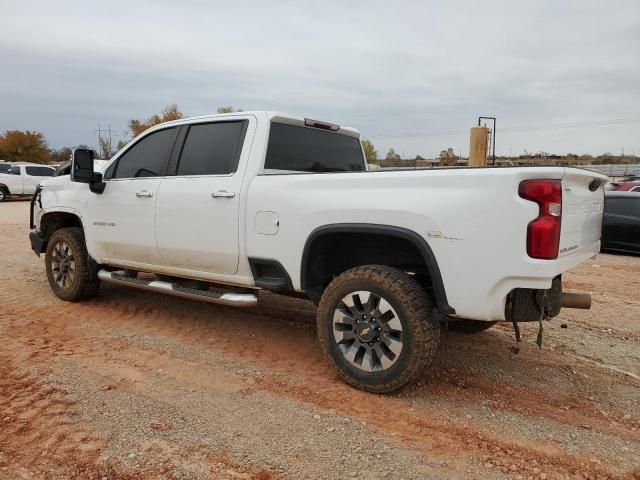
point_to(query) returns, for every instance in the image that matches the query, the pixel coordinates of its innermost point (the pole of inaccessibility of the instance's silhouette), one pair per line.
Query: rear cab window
(293, 148)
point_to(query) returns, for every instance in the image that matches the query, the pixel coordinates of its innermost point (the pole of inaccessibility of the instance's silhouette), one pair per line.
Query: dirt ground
(138, 385)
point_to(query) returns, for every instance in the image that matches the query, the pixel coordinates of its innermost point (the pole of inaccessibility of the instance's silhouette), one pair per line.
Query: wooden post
(479, 146)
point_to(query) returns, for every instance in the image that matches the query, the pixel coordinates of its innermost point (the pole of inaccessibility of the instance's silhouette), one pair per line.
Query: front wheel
(71, 272)
(3, 194)
(375, 323)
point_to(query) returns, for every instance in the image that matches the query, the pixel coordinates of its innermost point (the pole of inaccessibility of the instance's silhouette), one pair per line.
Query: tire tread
(87, 282)
(418, 307)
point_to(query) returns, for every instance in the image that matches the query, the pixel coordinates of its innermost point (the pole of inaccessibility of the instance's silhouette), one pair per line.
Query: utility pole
(108, 133)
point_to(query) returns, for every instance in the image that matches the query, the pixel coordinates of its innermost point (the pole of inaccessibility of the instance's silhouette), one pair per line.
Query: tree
(61, 155)
(64, 154)
(228, 109)
(392, 155)
(106, 151)
(170, 112)
(586, 159)
(391, 160)
(369, 151)
(448, 157)
(27, 146)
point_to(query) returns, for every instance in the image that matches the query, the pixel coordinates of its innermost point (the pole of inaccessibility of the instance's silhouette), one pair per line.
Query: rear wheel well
(334, 249)
(50, 222)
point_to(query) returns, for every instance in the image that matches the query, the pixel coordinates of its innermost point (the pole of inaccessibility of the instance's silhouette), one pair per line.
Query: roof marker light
(322, 125)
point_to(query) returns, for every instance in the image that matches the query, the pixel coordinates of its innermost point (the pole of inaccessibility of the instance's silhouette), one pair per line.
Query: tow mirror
(82, 170)
(82, 166)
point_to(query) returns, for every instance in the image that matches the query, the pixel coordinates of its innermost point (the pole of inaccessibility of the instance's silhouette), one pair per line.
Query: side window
(39, 171)
(147, 157)
(212, 149)
(15, 171)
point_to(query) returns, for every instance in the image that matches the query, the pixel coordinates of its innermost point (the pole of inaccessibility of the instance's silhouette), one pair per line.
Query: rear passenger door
(197, 209)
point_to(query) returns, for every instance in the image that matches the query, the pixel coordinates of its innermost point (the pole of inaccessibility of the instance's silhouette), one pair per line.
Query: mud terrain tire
(72, 273)
(404, 323)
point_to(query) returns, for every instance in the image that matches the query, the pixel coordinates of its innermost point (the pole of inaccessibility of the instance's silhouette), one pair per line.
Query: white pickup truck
(22, 179)
(218, 207)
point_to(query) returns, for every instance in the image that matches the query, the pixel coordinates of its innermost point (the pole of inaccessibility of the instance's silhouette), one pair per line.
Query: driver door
(122, 218)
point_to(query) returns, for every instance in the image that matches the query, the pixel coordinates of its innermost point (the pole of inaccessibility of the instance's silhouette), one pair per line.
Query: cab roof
(272, 116)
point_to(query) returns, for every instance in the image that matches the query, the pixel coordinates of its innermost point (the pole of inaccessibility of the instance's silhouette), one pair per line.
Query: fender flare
(65, 210)
(417, 240)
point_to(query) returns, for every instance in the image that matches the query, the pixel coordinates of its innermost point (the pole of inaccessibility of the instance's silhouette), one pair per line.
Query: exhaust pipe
(576, 300)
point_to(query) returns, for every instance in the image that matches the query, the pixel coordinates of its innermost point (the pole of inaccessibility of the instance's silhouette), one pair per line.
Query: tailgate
(582, 210)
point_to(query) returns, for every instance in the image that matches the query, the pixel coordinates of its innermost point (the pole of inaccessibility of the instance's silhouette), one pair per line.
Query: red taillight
(543, 233)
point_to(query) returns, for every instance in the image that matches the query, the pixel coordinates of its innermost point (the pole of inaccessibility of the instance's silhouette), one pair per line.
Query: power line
(551, 126)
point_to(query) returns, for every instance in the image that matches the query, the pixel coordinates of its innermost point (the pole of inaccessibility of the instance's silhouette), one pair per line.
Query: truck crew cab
(218, 207)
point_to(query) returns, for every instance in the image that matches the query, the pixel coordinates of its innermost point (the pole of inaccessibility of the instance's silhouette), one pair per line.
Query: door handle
(144, 193)
(223, 194)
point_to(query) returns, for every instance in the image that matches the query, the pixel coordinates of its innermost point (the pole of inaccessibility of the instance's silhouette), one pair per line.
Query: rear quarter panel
(473, 220)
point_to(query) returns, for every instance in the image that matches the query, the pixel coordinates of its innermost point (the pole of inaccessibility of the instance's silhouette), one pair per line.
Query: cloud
(387, 68)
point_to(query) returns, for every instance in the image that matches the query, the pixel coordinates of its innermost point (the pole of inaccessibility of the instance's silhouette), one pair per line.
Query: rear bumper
(38, 242)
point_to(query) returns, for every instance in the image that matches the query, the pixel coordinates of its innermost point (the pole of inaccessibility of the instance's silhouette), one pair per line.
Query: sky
(560, 76)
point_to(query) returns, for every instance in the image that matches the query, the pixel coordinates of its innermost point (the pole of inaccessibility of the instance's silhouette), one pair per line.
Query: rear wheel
(375, 324)
(72, 274)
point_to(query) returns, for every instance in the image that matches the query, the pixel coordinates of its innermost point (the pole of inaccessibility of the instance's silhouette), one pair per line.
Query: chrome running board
(223, 298)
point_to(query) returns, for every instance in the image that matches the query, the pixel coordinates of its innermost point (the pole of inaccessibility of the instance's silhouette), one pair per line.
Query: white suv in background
(22, 179)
